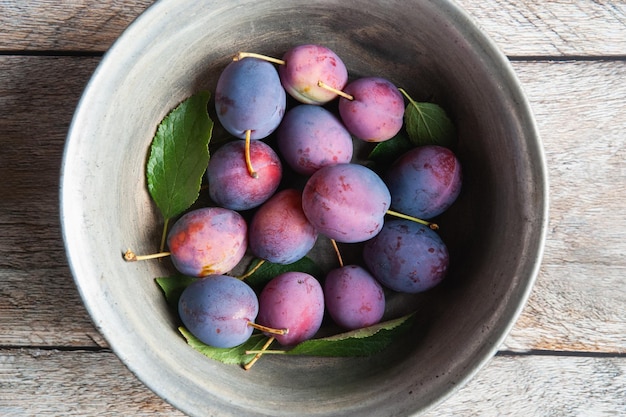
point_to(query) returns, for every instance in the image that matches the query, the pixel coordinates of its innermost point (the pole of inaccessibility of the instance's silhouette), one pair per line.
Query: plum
(218, 310)
(346, 202)
(353, 297)
(376, 111)
(279, 231)
(231, 186)
(305, 66)
(250, 101)
(311, 137)
(207, 241)
(407, 257)
(425, 181)
(293, 301)
(250, 97)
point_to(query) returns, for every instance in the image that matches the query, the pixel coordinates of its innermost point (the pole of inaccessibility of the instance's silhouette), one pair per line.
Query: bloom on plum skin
(333, 202)
(353, 297)
(425, 181)
(218, 310)
(207, 241)
(293, 301)
(230, 184)
(306, 65)
(376, 113)
(279, 231)
(407, 257)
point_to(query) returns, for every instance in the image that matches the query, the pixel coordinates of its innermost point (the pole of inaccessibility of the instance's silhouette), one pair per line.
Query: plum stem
(251, 170)
(325, 86)
(433, 226)
(408, 97)
(266, 329)
(252, 270)
(334, 242)
(242, 55)
(130, 256)
(259, 353)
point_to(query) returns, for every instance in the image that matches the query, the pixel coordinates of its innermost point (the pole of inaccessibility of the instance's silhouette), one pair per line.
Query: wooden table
(566, 356)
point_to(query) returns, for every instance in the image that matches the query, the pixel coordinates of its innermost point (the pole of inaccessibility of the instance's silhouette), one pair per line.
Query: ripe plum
(346, 202)
(376, 112)
(353, 297)
(279, 231)
(293, 301)
(230, 184)
(217, 310)
(249, 96)
(305, 66)
(207, 241)
(425, 181)
(406, 256)
(311, 137)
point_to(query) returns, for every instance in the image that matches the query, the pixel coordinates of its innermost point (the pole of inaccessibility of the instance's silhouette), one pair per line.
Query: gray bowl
(495, 230)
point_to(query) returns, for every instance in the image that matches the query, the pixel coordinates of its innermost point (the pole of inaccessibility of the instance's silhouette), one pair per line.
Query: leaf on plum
(269, 270)
(179, 156)
(384, 153)
(232, 356)
(173, 287)
(360, 342)
(428, 124)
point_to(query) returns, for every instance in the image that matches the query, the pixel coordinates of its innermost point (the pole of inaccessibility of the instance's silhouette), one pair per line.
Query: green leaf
(179, 156)
(428, 124)
(384, 153)
(361, 342)
(173, 287)
(232, 356)
(269, 270)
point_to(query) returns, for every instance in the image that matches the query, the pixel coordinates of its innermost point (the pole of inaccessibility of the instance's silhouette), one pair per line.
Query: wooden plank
(80, 383)
(51, 25)
(38, 299)
(76, 383)
(577, 304)
(580, 108)
(542, 386)
(553, 28)
(520, 28)
(38, 97)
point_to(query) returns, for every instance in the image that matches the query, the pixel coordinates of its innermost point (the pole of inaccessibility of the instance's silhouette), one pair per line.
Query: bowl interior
(494, 232)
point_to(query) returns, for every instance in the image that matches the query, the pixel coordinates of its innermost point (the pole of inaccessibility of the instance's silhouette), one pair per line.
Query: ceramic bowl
(495, 231)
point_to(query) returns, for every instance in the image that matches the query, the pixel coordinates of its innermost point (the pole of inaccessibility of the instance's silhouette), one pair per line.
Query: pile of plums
(341, 200)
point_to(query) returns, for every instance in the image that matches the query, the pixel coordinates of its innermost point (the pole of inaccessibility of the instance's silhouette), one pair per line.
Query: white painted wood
(523, 386)
(580, 109)
(553, 28)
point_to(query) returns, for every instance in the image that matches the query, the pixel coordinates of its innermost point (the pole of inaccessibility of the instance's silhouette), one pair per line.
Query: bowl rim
(461, 18)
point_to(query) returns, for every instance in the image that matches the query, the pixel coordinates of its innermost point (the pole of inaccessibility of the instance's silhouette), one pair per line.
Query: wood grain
(80, 383)
(578, 300)
(564, 356)
(38, 300)
(520, 28)
(76, 383)
(542, 386)
(553, 28)
(69, 25)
